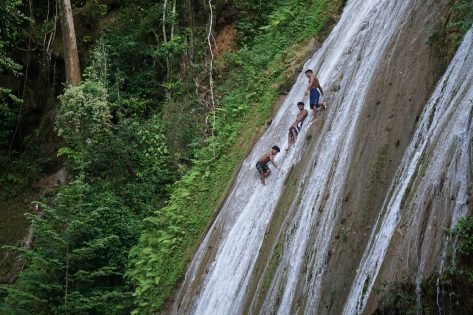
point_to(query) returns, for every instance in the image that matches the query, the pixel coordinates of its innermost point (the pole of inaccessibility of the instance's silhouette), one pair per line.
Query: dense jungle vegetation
(150, 138)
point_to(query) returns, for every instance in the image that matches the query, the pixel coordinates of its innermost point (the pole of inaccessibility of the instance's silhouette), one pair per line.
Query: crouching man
(262, 164)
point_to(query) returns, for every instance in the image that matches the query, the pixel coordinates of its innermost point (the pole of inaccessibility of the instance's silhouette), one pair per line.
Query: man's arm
(271, 157)
(317, 84)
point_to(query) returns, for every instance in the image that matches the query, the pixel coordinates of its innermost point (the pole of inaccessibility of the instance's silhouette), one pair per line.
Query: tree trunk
(71, 57)
(173, 18)
(191, 22)
(168, 62)
(19, 264)
(164, 20)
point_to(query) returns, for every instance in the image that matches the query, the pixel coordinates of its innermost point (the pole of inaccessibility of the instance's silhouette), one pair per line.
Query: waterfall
(438, 155)
(220, 274)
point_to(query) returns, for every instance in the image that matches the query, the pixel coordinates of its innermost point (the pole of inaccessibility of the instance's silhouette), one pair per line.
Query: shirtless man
(262, 164)
(313, 88)
(297, 125)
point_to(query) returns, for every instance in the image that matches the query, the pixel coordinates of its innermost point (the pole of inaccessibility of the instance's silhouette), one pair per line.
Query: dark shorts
(262, 167)
(314, 98)
(296, 130)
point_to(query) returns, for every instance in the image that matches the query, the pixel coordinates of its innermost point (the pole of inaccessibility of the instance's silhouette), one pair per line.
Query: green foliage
(84, 114)
(464, 231)
(9, 105)
(20, 170)
(173, 47)
(118, 129)
(17, 176)
(83, 121)
(252, 14)
(245, 98)
(398, 298)
(145, 145)
(76, 265)
(272, 267)
(131, 73)
(138, 55)
(121, 169)
(130, 153)
(11, 18)
(464, 19)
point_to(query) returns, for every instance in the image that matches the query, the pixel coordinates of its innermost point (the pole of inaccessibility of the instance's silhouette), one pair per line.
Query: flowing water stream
(436, 166)
(218, 278)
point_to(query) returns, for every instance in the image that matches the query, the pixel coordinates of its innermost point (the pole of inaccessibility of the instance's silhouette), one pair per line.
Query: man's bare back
(265, 158)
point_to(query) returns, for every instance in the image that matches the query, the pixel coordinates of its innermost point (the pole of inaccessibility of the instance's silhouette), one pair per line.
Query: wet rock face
(404, 80)
(297, 246)
(436, 184)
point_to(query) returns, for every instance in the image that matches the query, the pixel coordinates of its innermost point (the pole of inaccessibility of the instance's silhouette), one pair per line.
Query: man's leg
(289, 138)
(262, 179)
(261, 172)
(267, 173)
(314, 112)
(294, 138)
(314, 101)
(261, 176)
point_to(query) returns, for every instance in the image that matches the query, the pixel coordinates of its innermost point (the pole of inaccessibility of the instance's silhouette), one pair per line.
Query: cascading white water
(243, 219)
(443, 137)
(364, 24)
(217, 281)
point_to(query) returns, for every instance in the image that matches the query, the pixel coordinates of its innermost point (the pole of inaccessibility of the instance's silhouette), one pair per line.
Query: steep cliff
(299, 244)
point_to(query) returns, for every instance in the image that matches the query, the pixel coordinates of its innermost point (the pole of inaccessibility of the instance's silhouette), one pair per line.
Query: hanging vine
(211, 88)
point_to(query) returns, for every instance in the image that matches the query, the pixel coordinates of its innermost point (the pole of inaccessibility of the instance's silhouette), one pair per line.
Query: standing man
(262, 164)
(297, 125)
(313, 88)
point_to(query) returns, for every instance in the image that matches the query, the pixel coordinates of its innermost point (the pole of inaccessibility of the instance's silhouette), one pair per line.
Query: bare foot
(325, 105)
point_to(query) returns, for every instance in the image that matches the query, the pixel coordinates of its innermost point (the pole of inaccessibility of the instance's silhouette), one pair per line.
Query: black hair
(300, 103)
(275, 147)
(308, 70)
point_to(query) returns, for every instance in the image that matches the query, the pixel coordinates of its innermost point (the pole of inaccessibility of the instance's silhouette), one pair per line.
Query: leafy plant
(398, 298)
(464, 20)
(79, 255)
(84, 119)
(9, 105)
(464, 232)
(244, 97)
(129, 131)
